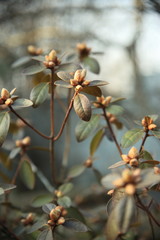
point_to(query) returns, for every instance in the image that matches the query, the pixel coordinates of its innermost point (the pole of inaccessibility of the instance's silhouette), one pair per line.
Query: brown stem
(66, 117)
(17, 171)
(29, 125)
(143, 141)
(111, 131)
(152, 228)
(51, 145)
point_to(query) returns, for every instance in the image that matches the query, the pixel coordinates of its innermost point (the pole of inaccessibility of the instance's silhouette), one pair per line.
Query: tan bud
(18, 143)
(127, 175)
(47, 58)
(51, 223)
(5, 94)
(130, 189)
(30, 217)
(12, 91)
(52, 55)
(58, 193)
(26, 141)
(83, 74)
(51, 64)
(152, 126)
(31, 49)
(73, 82)
(81, 46)
(60, 221)
(78, 88)
(118, 182)
(134, 162)
(55, 214)
(125, 158)
(107, 101)
(113, 119)
(61, 208)
(110, 192)
(156, 170)
(9, 102)
(88, 163)
(77, 75)
(133, 153)
(64, 212)
(39, 51)
(86, 83)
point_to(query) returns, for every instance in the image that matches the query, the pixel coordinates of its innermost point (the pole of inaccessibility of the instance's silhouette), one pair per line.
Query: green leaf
(65, 76)
(48, 207)
(66, 188)
(37, 225)
(125, 211)
(33, 69)
(91, 64)
(64, 201)
(1, 191)
(96, 140)
(153, 116)
(155, 195)
(39, 94)
(115, 109)
(84, 129)
(148, 164)
(82, 107)
(21, 61)
(76, 171)
(4, 126)
(21, 103)
(46, 235)
(94, 91)
(98, 83)
(27, 175)
(148, 178)
(146, 155)
(75, 225)
(62, 83)
(41, 200)
(156, 133)
(131, 137)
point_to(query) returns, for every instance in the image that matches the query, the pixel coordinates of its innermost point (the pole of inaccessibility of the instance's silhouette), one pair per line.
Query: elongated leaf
(21, 103)
(69, 67)
(156, 133)
(148, 164)
(37, 225)
(46, 235)
(39, 94)
(63, 84)
(96, 140)
(4, 126)
(117, 164)
(65, 76)
(66, 188)
(14, 152)
(7, 187)
(125, 212)
(93, 90)
(21, 61)
(64, 201)
(75, 225)
(41, 200)
(39, 58)
(48, 207)
(1, 191)
(91, 64)
(98, 83)
(115, 109)
(76, 171)
(27, 175)
(153, 116)
(131, 137)
(82, 107)
(148, 178)
(146, 155)
(84, 129)
(117, 100)
(33, 69)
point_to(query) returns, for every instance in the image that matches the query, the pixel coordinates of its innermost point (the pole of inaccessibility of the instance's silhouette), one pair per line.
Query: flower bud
(134, 162)
(51, 223)
(156, 170)
(152, 126)
(31, 49)
(88, 163)
(64, 212)
(110, 192)
(58, 193)
(77, 75)
(5, 94)
(78, 88)
(125, 158)
(73, 82)
(18, 143)
(26, 141)
(83, 74)
(55, 214)
(9, 102)
(127, 175)
(133, 153)
(130, 189)
(86, 83)
(52, 55)
(60, 221)
(118, 182)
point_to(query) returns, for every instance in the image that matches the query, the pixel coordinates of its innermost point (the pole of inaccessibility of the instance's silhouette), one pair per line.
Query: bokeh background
(128, 34)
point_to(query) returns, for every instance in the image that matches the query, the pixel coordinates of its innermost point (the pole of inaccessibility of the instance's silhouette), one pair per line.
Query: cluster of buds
(23, 143)
(34, 51)
(128, 180)
(148, 124)
(102, 101)
(28, 220)
(78, 80)
(57, 216)
(5, 99)
(83, 50)
(88, 163)
(51, 60)
(132, 157)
